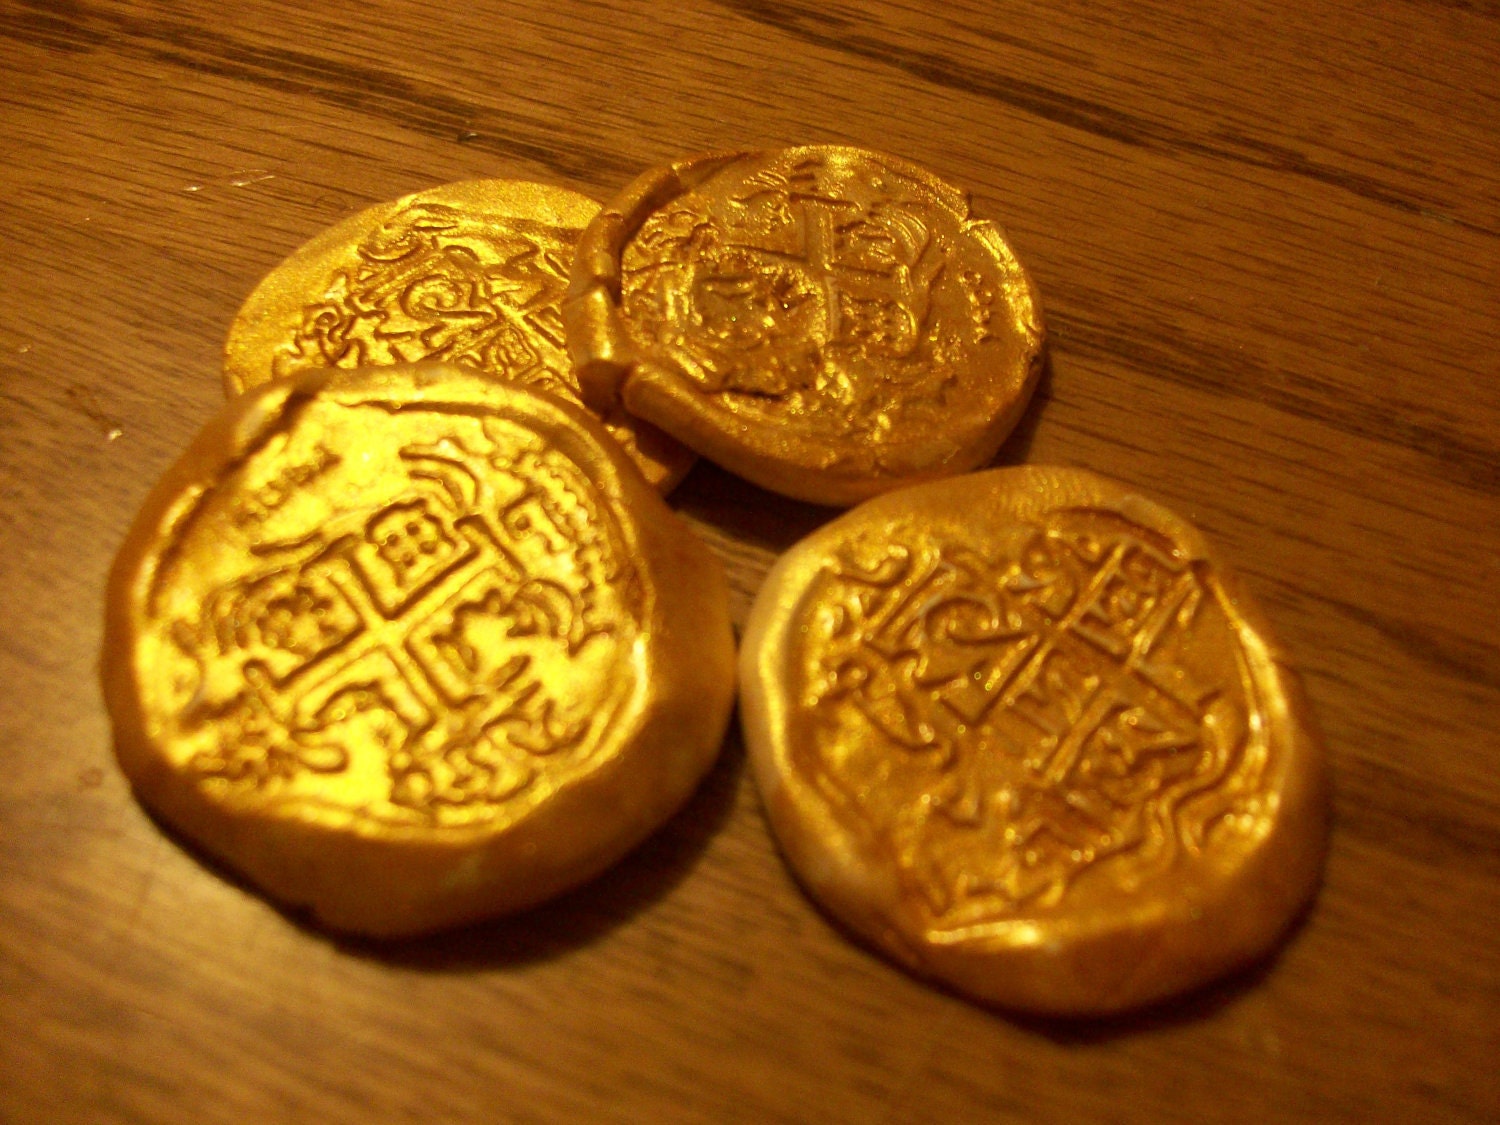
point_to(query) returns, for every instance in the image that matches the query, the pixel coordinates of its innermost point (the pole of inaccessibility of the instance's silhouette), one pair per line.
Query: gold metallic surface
(470, 273)
(827, 322)
(410, 647)
(1026, 734)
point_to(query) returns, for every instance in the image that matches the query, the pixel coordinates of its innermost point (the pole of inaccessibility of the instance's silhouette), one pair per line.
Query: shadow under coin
(584, 914)
(1017, 446)
(1200, 1003)
(571, 920)
(744, 512)
(755, 517)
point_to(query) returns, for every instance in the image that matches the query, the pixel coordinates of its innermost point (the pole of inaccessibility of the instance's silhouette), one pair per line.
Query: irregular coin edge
(1129, 961)
(611, 368)
(676, 735)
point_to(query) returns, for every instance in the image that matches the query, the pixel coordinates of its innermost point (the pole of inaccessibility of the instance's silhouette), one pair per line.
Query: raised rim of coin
(970, 409)
(861, 783)
(405, 281)
(389, 862)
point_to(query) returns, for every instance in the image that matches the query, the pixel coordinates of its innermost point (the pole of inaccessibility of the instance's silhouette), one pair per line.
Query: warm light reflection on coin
(406, 646)
(470, 273)
(1025, 733)
(827, 322)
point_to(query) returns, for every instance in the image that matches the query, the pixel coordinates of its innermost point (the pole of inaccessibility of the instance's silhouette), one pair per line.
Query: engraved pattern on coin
(436, 282)
(848, 298)
(443, 626)
(1010, 722)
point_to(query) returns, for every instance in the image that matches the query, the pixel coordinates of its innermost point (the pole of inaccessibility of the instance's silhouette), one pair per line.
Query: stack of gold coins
(470, 273)
(409, 637)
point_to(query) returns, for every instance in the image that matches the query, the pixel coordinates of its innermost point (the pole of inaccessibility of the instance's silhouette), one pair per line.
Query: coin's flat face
(1024, 732)
(828, 322)
(470, 273)
(393, 643)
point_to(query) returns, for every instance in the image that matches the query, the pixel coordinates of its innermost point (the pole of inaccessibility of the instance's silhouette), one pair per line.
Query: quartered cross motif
(1047, 702)
(792, 286)
(424, 631)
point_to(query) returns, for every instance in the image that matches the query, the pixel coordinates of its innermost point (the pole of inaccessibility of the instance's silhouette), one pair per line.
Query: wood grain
(1267, 237)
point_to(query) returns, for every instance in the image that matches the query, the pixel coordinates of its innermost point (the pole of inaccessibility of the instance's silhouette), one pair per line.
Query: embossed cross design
(415, 624)
(1155, 707)
(873, 268)
(1063, 664)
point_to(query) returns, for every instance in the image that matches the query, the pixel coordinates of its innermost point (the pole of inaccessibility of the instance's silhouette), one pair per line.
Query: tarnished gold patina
(828, 322)
(1025, 733)
(470, 273)
(410, 647)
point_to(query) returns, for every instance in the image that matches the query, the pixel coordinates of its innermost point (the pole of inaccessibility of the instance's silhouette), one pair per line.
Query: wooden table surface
(1267, 237)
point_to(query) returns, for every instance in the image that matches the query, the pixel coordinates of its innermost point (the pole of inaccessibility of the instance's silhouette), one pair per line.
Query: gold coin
(1025, 733)
(406, 646)
(470, 273)
(827, 322)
